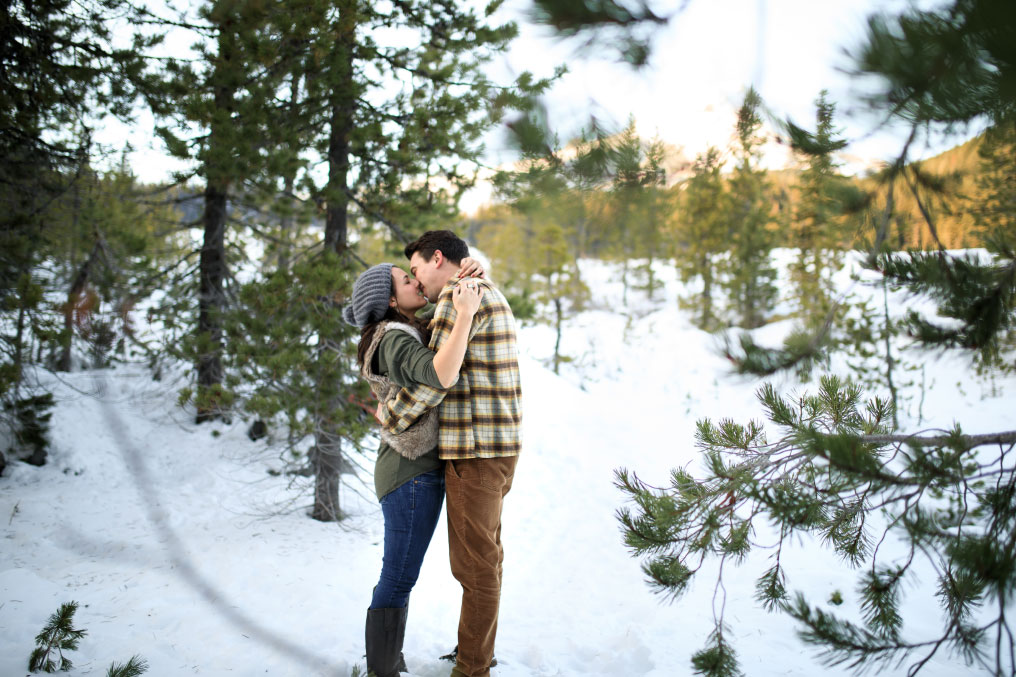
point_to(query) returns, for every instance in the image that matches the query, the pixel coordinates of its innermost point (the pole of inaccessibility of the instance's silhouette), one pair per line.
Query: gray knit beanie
(371, 294)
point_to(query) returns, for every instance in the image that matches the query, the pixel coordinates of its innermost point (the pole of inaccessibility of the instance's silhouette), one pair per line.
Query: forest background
(317, 137)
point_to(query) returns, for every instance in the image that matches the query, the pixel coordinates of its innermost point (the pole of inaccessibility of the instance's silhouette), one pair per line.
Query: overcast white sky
(701, 63)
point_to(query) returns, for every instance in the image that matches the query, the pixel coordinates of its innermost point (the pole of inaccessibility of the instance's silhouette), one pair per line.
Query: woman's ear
(392, 303)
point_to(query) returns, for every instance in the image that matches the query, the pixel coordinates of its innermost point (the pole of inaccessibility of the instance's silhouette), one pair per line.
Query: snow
(181, 547)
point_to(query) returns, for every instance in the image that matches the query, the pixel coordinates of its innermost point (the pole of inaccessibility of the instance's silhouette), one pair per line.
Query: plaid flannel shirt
(481, 414)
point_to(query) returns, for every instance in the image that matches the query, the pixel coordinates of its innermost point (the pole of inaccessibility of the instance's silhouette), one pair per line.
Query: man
(479, 438)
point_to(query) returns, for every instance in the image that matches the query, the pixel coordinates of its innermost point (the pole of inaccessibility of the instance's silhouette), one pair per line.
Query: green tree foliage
(832, 464)
(996, 207)
(996, 219)
(638, 206)
(391, 100)
(134, 667)
(293, 365)
(701, 235)
(837, 471)
(110, 242)
(816, 227)
(58, 636)
(538, 245)
(222, 115)
(749, 276)
(403, 121)
(939, 70)
(62, 76)
(28, 421)
(624, 27)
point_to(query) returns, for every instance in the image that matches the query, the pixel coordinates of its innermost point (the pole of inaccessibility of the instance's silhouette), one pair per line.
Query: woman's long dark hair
(391, 315)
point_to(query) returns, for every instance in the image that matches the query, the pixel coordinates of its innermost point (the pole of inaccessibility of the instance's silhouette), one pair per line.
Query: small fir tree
(816, 228)
(58, 636)
(701, 236)
(636, 210)
(29, 422)
(749, 275)
(541, 261)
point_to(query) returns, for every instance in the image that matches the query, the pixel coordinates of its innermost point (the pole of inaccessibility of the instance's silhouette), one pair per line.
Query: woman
(408, 476)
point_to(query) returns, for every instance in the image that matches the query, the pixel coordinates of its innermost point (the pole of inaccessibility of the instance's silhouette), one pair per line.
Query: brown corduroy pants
(475, 489)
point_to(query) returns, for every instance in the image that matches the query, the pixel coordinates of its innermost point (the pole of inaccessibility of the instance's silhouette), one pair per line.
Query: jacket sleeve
(406, 361)
(408, 406)
(409, 364)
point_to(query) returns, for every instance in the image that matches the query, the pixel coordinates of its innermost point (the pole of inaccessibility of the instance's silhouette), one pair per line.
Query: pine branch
(966, 441)
(395, 228)
(134, 667)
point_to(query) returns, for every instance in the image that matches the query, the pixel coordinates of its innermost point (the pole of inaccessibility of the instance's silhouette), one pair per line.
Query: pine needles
(58, 636)
(837, 471)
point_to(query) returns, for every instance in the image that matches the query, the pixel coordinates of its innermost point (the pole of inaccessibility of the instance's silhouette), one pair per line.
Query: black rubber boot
(384, 635)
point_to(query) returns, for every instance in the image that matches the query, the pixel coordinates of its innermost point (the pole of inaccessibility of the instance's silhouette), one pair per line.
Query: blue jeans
(411, 513)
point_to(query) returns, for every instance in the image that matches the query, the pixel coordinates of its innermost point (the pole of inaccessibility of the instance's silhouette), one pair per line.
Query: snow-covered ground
(181, 547)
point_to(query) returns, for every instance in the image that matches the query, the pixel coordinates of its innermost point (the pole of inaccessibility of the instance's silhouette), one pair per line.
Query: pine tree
(396, 123)
(293, 362)
(816, 226)
(656, 210)
(112, 242)
(542, 261)
(58, 635)
(997, 209)
(403, 129)
(29, 428)
(62, 75)
(749, 275)
(637, 174)
(701, 235)
(228, 95)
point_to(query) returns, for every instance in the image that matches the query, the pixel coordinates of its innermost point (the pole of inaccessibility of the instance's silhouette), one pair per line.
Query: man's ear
(438, 258)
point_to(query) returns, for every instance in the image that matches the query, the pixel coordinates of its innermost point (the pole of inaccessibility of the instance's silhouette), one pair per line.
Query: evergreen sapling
(59, 635)
(134, 667)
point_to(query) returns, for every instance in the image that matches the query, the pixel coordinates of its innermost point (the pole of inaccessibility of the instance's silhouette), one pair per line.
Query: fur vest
(418, 438)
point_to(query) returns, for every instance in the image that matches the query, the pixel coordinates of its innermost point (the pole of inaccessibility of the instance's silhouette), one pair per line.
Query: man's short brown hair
(450, 244)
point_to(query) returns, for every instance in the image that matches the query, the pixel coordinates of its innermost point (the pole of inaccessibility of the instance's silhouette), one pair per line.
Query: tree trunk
(328, 448)
(212, 265)
(624, 280)
(211, 300)
(327, 463)
(649, 274)
(558, 321)
(707, 294)
(19, 337)
(343, 106)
